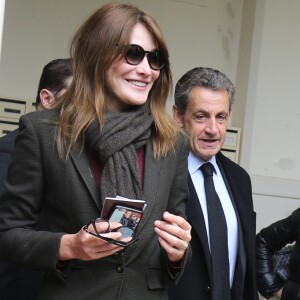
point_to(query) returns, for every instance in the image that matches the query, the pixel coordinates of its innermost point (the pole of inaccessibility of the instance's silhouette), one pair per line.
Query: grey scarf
(115, 148)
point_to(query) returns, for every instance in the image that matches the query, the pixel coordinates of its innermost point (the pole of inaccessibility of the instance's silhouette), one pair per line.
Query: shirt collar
(195, 162)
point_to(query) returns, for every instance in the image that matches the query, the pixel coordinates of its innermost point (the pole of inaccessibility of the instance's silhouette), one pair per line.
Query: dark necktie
(218, 237)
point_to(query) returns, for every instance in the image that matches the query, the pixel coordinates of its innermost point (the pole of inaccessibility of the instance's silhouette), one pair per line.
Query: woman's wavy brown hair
(100, 41)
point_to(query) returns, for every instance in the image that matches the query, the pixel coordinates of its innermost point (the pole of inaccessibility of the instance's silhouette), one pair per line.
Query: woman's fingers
(174, 235)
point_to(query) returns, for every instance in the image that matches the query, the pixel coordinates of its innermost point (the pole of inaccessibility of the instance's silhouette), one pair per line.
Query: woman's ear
(47, 98)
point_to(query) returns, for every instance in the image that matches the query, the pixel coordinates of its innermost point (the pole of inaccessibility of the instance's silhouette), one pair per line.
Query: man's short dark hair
(54, 76)
(201, 77)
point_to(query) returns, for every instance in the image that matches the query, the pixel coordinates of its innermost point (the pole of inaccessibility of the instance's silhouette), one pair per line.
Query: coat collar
(82, 164)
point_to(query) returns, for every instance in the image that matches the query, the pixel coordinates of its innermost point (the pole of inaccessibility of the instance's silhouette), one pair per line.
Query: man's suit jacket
(195, 282)
(16, 283)
(67, 192)
(7, 145)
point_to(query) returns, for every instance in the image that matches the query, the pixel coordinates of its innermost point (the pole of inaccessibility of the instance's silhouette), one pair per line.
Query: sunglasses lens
(134, 54)
(155, 60)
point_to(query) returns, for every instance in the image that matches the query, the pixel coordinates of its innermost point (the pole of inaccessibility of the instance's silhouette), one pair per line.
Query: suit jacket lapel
(195, 217)
(82, 164)
(236, 192)
(240, 269)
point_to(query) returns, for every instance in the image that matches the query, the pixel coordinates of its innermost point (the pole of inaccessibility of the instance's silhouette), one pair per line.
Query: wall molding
(275, 187)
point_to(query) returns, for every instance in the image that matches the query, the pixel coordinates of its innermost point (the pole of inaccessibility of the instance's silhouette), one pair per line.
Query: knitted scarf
(115, 148)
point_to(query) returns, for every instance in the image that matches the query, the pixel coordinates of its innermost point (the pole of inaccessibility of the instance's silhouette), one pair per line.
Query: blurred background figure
(18, 283)
(55, 79)
(269, 240)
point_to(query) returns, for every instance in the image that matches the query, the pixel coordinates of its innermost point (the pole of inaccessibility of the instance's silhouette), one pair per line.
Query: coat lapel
(195, 217)
(151, 177)
(239, 195)
(82, 164)
(240, 270)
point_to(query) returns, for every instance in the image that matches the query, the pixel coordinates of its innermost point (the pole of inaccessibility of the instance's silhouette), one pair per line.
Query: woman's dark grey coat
(64, 195)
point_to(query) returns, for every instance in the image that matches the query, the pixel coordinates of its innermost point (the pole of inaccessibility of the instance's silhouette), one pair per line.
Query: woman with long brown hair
(109, 135)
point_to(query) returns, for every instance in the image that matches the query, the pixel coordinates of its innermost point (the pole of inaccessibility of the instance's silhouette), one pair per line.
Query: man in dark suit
(19, 283)
(6, 148)
(203, 104)
(55, 78)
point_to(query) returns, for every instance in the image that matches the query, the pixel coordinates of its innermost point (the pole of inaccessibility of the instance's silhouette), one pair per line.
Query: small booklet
(126, 211)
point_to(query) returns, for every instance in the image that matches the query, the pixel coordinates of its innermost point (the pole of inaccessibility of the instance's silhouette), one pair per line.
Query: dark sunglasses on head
(135, 54)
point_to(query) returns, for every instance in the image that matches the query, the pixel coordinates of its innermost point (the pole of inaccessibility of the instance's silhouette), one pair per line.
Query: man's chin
(208, 154)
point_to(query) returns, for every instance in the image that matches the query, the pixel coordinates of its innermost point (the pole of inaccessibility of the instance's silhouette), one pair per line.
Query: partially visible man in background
(19, 283)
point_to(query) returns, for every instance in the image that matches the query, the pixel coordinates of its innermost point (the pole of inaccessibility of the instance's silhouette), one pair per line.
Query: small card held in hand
(126, 211)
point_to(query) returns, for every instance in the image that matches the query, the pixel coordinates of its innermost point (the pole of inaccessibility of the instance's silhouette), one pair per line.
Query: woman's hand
(174, 235)
(85, 246)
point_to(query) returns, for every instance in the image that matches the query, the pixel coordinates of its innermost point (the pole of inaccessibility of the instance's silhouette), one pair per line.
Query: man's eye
(200, 117)
(222, 118)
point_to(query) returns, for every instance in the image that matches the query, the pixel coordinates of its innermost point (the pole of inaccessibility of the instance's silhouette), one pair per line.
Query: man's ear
(47, 98)
(177, 116)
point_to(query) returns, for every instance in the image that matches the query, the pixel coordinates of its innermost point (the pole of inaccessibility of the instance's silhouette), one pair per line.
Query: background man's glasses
(135, 54)
(104, 238)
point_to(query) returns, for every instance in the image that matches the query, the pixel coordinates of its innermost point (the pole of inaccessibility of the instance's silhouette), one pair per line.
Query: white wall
(198, 33)
(271, 144)
(2, 7)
